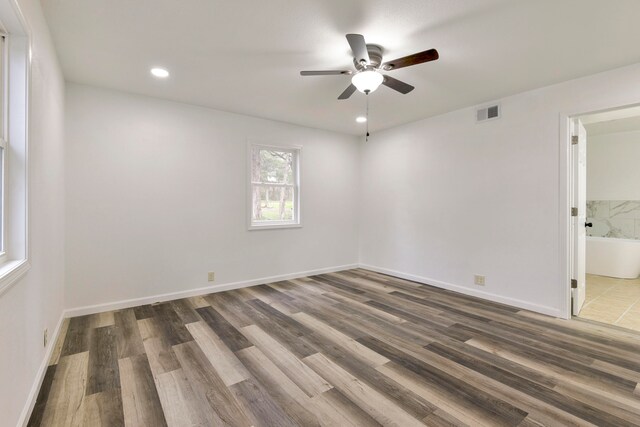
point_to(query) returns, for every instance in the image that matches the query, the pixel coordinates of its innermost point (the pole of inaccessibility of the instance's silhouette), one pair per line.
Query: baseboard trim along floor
(550, 311)
(117, 305)
(33, 393)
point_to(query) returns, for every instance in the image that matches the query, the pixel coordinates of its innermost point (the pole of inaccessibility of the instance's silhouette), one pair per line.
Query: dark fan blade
(416, 58)
(358, 47)
(396, 84)
(326, 73)
(347, 92)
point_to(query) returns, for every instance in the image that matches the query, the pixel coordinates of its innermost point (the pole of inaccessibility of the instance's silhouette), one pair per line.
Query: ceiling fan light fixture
(367, 81)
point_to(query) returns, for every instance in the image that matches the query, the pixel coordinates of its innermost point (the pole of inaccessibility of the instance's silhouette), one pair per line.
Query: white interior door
(578, 229)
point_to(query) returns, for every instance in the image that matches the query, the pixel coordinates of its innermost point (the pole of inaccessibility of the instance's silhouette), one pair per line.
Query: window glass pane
(2, 88)
(256, 165)
(276, 203)
(276, 166)
(1, 199)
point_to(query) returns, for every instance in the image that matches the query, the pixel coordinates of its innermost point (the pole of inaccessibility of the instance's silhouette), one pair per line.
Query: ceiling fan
(367, 58)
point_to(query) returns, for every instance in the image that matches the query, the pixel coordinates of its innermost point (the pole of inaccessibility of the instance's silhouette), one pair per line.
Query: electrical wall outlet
(478, 280)
(212, 276)
(45, 339)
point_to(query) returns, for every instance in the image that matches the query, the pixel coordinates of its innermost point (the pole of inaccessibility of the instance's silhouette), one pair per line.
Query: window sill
(11, 271)
(274, 226)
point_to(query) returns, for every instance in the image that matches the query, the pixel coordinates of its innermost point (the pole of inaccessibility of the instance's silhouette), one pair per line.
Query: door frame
(566, 180)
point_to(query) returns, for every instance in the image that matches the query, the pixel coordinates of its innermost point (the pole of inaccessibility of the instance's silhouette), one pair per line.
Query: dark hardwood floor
(349, 348)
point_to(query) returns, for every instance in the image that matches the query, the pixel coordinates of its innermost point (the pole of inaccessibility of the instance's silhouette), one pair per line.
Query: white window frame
(296, 222)
(4, 42)
(14, 261)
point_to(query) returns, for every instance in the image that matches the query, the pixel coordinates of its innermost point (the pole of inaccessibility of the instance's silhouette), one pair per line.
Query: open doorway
(605, 230)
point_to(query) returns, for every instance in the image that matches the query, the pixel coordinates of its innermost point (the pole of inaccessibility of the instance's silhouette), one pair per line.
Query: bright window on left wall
(3, 143)
(15, 54)
(274, 189)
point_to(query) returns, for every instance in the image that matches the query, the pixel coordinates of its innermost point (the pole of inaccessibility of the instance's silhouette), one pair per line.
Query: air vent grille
(491, 112)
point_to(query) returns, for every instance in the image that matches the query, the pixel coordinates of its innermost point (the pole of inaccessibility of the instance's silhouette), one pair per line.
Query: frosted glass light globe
(367, 81)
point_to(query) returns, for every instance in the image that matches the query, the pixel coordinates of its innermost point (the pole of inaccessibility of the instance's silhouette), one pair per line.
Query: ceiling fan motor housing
(375, 58)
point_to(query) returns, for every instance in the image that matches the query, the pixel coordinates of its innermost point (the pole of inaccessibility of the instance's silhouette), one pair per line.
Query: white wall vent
(490, 112)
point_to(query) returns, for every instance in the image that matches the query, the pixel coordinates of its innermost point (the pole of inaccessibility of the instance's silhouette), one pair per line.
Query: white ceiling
(245, 56)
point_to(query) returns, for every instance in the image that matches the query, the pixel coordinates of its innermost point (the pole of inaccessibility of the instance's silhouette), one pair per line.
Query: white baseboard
(117, 305)
(35, 388)
(550, 311)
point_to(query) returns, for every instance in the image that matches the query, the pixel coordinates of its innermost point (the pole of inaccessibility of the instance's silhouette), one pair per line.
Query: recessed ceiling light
(160, 73)
(361, 119)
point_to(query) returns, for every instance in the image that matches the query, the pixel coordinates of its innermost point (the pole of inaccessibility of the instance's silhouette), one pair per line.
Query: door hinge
(574, 139)
(574, 211)
(574, 283)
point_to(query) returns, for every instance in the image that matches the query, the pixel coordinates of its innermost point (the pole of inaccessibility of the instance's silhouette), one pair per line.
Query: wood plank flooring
(354, 348)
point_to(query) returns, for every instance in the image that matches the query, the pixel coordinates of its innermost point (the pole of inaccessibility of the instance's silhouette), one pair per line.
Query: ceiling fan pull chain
(367, 137)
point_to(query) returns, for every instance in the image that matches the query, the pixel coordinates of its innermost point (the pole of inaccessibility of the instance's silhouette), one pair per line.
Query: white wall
(156, 198)
(36, 301)
(613, 166)
(446, 198)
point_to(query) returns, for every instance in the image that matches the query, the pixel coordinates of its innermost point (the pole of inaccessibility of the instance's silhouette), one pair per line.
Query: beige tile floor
(613, 301)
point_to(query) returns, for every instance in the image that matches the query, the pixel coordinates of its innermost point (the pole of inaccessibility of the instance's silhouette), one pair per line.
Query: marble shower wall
(614, 218)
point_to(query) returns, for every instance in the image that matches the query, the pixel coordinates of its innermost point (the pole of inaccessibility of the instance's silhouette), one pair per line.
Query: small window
(275, 187)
